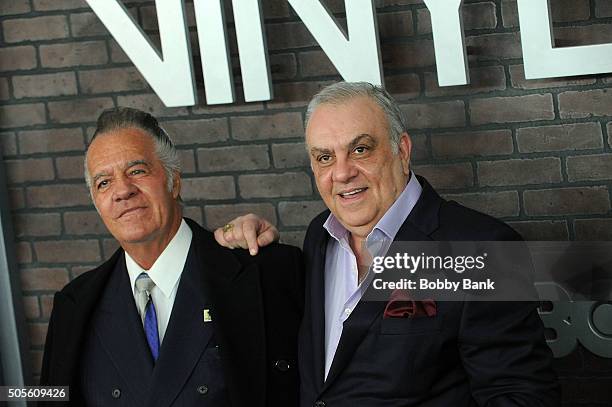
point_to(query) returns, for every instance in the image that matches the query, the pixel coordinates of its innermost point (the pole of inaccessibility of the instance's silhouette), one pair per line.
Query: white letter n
(357, 58)
(171, 74)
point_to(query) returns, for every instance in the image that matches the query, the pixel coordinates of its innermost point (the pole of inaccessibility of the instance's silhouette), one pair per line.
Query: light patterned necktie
(144, 285)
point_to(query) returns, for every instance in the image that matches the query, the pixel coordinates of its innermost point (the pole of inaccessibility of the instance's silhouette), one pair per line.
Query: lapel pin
(207, 317)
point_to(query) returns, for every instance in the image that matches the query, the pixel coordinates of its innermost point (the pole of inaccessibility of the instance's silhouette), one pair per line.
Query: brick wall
(534, 153)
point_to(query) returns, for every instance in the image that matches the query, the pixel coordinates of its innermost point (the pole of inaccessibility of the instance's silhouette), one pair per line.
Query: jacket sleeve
(502, 343)
(505, 355)
(45, 374)
(298, 274)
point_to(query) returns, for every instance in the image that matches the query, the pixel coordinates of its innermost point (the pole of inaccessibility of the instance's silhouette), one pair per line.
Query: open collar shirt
(342, 288)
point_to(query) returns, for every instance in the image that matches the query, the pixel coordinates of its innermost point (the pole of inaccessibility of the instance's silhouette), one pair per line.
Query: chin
(352, 221)
(134, 235)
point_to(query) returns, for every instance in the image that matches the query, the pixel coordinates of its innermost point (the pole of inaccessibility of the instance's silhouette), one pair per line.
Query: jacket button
(282, 365)
(203, 389)
(319, 403)
(116, 393)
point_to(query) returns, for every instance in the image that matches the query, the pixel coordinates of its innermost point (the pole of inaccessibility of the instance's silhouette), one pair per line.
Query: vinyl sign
(355, 53)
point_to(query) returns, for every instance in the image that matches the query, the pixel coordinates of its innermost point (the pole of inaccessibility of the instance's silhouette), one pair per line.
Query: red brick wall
(534, 153)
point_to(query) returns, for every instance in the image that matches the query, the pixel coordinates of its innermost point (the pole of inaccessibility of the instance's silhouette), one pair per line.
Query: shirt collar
(167, 269)
(392, 220)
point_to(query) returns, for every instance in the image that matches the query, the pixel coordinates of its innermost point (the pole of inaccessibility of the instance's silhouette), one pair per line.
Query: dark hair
(126, 117)
(122, 117)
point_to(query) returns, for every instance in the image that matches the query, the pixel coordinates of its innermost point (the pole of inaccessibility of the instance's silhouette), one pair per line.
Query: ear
(176, 185)
(405, 149)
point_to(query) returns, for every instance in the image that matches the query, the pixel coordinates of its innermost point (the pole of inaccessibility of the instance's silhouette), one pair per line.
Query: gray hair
(125, 117)
(340, 92)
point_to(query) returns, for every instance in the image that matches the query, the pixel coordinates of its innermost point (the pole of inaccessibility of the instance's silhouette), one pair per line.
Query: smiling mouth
(130, 211)
(352, 193)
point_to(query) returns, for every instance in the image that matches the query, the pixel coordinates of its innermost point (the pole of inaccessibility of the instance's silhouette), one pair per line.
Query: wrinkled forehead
(336, 124)
(132, 138)
(126, 134)
(120, 146)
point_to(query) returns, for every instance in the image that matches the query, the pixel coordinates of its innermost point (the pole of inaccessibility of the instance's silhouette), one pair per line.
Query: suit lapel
(119, 328)
(421, 222)
(187, 336)
(76, 309)
(424, 218)
(317, 310)
(354, 330)
(238, 313)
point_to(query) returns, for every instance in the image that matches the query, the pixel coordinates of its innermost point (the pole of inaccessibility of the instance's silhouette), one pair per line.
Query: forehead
(336, 123)
(119, 146)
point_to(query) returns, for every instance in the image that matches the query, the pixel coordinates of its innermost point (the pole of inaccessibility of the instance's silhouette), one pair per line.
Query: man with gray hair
(172, 318)
(354, 352)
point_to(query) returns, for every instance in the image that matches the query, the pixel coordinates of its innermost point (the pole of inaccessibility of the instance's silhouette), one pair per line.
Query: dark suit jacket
(256, 302)
(470, 353)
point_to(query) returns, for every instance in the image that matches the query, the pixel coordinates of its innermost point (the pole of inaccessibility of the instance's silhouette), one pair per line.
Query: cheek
(372, 171)
(324, 190)
(158, 198)
(102, 205)
(323, 179)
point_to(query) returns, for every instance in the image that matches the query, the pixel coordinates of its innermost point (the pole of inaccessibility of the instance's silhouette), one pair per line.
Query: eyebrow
(360, 138)
(352, 144)
(99, 175)
(130, 164)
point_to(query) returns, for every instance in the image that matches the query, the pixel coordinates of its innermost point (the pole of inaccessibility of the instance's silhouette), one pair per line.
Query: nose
(123, 189)
(344, 170)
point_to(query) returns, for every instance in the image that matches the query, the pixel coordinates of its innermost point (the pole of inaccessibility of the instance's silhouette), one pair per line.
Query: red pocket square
(402, 306)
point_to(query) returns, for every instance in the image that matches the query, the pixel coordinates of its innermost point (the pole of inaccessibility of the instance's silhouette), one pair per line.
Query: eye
(136, 172)
(360, 149)
(102, 184)
(324, 158)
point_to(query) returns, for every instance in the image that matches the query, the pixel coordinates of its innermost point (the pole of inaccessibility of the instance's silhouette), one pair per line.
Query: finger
(269, 236)
(236, 238)
(229, 228)
(250, 234)
(220, 238)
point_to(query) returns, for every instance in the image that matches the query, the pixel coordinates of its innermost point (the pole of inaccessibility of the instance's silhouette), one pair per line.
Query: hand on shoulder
(247, 232)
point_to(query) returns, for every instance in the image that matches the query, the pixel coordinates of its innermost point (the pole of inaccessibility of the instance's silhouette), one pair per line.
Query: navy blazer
(256, 303)
(469, 354)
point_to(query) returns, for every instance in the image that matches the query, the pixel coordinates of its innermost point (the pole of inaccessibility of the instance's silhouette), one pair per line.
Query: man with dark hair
(171, 318)
(365, 353)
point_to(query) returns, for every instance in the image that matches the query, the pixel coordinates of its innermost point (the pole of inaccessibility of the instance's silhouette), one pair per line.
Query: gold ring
(228, 227)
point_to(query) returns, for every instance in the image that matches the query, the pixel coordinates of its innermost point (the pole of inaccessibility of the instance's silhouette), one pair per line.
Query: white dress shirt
(166, 274)
(342, 288)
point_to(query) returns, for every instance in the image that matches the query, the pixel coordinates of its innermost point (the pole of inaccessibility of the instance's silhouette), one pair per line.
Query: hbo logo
(587, 322)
